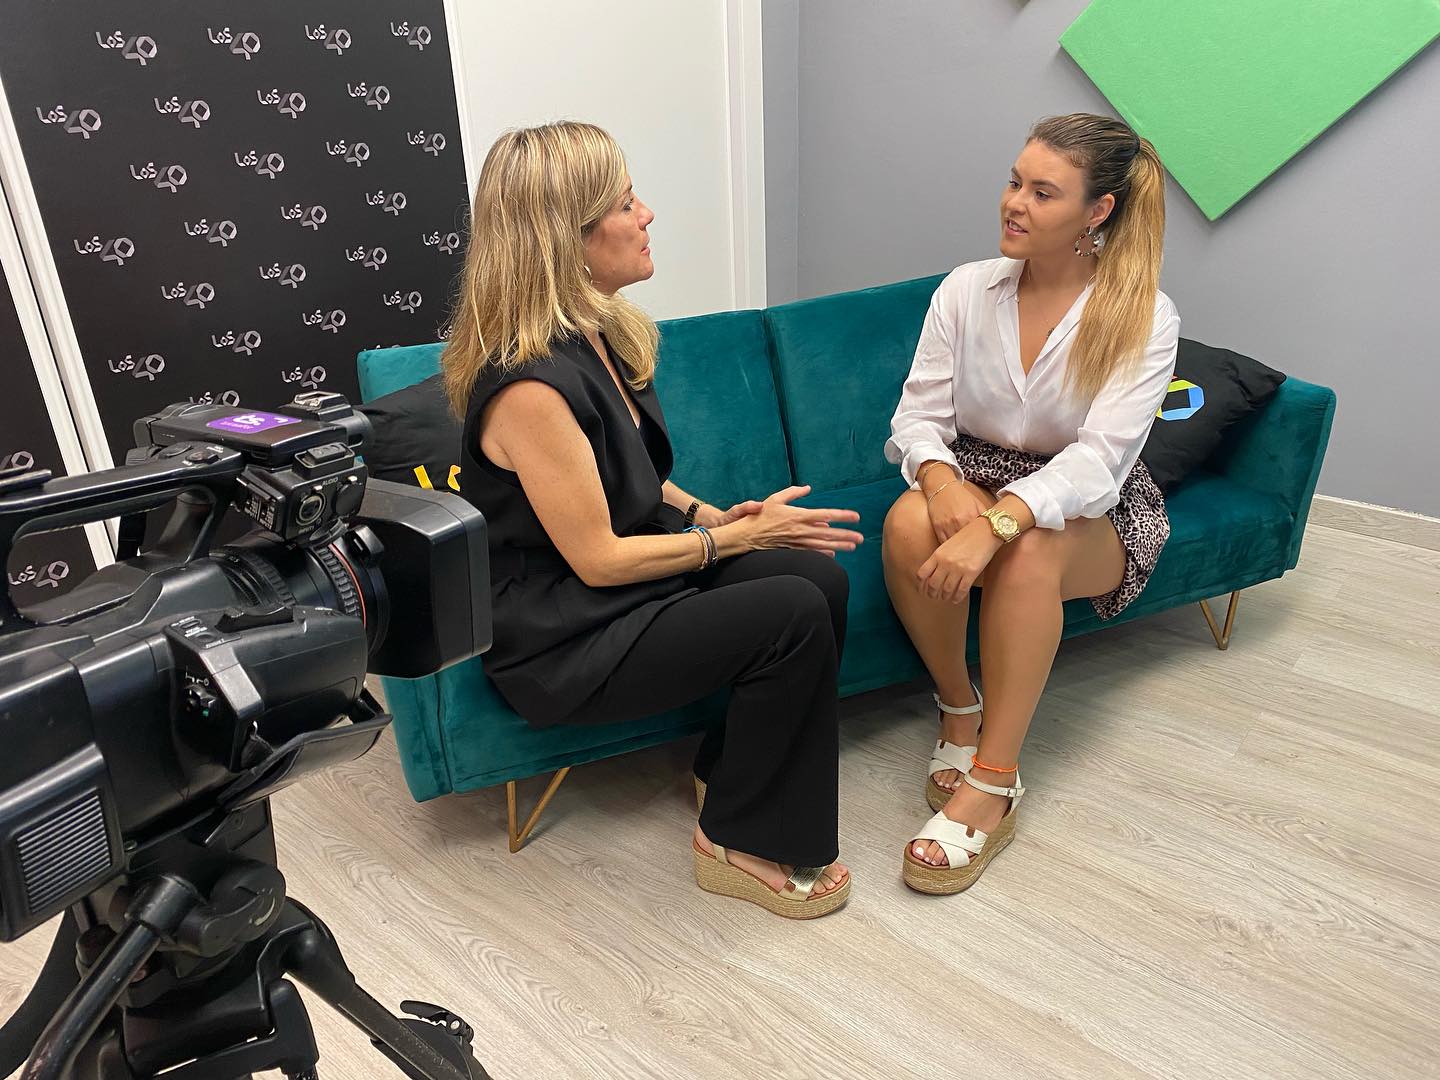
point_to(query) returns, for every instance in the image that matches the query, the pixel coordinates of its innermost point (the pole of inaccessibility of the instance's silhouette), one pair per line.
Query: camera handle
(33, 502)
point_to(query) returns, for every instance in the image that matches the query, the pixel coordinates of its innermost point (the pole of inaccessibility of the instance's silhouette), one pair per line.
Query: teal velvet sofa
(802, 394)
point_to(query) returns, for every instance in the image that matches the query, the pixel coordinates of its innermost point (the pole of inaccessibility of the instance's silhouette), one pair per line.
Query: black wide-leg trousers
(770, 625)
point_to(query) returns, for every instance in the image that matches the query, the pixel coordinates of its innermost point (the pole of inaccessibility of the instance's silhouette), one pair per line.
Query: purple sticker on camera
(249, 422)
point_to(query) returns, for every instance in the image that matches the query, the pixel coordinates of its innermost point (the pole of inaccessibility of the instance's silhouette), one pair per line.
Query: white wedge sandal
(948, 755)
(967, 854)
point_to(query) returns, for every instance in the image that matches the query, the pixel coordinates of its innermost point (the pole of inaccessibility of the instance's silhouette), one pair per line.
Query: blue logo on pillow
(1196, 401)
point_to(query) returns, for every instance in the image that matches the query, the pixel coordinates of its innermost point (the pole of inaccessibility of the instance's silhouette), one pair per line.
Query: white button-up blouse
(967, 378)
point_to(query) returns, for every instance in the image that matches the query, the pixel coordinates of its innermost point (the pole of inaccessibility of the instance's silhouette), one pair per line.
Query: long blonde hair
(525, 282)
(1120, 313)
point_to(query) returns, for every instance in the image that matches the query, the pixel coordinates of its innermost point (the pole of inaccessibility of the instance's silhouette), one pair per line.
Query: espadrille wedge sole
(796, 901)
(967, 855)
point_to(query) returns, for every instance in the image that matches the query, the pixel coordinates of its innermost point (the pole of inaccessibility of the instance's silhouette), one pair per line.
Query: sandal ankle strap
(968, 710)
(992, 789)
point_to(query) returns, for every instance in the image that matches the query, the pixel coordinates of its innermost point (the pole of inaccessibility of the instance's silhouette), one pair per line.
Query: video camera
(150, 713)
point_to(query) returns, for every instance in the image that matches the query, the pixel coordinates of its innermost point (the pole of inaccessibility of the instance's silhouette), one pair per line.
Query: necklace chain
(1023, 275)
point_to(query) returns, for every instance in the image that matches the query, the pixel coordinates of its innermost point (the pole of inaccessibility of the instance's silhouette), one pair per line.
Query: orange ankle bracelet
(976, 763)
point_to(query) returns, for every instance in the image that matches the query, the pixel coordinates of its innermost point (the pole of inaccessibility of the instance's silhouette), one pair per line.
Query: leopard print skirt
(1139, 518)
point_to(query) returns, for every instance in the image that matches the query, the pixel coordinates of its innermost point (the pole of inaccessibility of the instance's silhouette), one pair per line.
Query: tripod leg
(423, 1051)
(151, 916)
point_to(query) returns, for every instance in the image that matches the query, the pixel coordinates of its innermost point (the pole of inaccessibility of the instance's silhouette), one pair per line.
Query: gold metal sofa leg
(518, 836)
(1222, 637)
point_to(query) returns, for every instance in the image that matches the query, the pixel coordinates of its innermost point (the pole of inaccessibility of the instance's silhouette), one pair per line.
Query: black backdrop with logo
(50, 563)
(239, 197)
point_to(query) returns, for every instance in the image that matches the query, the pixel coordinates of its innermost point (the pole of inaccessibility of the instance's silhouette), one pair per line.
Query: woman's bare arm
(529, 429)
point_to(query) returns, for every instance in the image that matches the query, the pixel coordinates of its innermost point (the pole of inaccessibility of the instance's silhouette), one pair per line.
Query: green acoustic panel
(1230, 90)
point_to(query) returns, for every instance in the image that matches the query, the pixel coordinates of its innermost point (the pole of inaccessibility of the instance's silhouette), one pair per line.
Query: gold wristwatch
(1003, 524)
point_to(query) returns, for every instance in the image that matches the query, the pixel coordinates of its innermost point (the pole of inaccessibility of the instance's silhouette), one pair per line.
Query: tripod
(192, 984)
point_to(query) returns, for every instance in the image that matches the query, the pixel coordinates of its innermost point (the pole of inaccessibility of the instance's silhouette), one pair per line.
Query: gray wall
(780, 31)
(895, 126)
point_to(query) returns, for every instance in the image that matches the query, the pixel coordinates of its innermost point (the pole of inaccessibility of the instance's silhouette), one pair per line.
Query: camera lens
(310, 507)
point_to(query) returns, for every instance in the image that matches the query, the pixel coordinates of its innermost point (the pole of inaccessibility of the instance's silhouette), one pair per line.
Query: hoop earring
(1097, 243)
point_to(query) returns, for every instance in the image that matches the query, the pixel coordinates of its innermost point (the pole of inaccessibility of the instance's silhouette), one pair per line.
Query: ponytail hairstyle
(525, 284)
(1120, 313)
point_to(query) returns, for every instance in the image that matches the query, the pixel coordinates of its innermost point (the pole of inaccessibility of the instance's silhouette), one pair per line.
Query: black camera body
(188, 681)
(304, 476)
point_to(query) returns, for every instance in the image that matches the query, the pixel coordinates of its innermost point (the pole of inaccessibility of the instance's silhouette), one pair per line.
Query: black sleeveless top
(556, 638)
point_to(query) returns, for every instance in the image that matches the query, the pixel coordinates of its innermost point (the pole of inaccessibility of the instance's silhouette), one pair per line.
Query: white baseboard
(1402, 526)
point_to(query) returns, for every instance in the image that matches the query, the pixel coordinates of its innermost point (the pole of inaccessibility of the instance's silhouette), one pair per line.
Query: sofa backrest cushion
(717, 388)
(715, 384)
(383, 371)
(840, 363)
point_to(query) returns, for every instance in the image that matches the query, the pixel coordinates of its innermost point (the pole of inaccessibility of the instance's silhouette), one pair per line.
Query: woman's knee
(800, 598)
(908, 536)
(814, 566)
(788, 624)
(826, 573)
(788, 628)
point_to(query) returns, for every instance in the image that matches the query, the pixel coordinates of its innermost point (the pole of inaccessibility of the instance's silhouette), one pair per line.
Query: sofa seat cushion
(1220, 531)
(1223, 536)
(456, 733)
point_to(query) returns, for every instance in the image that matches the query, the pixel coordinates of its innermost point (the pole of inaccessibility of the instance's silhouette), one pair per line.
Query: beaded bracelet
(710, 553)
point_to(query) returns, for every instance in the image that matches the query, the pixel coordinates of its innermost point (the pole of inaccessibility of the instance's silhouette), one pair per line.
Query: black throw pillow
(416, 437)
(1211, 390)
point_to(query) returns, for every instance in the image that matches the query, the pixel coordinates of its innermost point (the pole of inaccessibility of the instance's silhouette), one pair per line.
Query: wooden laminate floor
(1228, 866)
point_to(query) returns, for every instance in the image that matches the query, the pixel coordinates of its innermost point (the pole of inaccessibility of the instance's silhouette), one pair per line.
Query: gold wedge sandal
(948, 755)
(699, 795)
(967, 854)
(794, 900)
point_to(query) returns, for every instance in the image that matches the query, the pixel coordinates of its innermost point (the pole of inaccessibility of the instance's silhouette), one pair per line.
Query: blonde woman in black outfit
(606, 607)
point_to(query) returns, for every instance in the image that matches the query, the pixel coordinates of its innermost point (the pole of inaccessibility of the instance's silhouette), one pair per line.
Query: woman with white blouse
(1035, 383)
